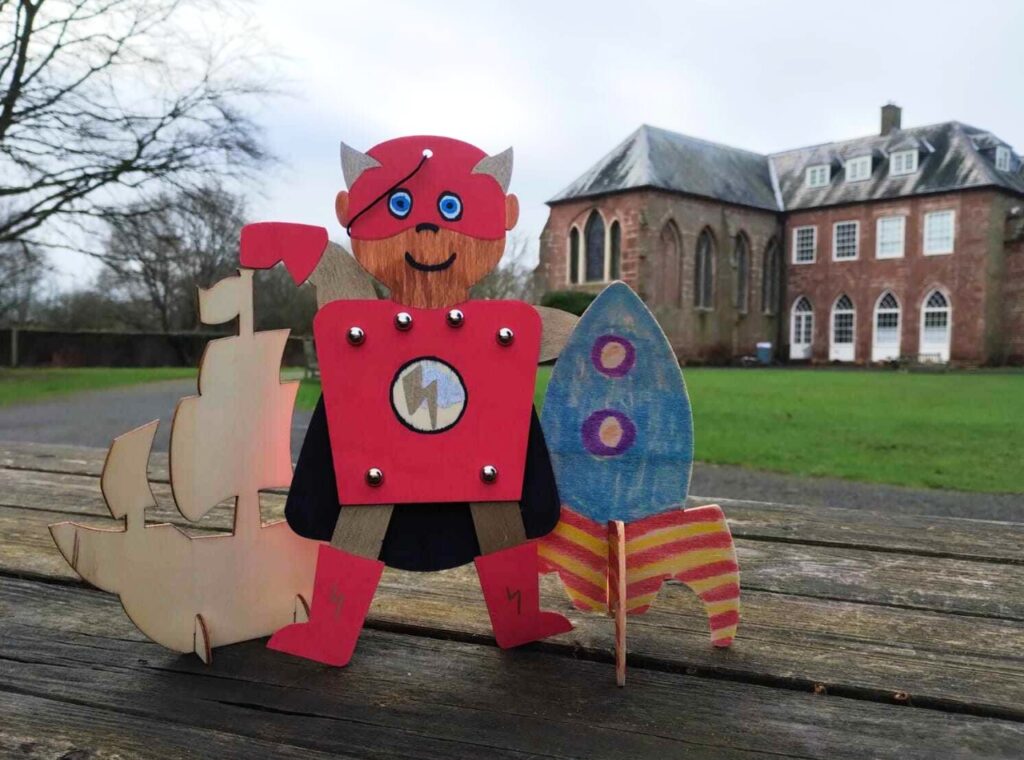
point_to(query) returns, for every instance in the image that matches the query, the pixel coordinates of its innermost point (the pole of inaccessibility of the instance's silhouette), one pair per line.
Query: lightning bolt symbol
(416, 393)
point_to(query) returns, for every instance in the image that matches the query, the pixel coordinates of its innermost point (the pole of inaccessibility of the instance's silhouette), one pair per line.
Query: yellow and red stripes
(693, 546)
(577, 549)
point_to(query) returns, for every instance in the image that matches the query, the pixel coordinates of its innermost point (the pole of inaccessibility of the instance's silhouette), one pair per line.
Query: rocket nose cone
(65, 536)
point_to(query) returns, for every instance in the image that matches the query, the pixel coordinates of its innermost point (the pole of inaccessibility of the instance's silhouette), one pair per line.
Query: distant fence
(30, 347)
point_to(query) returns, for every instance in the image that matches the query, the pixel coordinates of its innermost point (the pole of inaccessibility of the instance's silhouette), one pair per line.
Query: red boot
(342, 592)
(511, 587)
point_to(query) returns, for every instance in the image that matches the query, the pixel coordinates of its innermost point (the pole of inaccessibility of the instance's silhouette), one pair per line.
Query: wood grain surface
(864, 636)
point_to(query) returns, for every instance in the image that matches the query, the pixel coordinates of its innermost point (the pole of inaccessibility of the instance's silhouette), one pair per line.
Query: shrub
(572, 301)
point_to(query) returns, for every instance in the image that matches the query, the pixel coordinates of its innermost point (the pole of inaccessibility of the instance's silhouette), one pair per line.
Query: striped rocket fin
(577, 549)
(693, 546)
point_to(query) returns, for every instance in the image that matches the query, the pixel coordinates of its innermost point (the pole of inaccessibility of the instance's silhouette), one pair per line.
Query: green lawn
(961, 431)
(21, 385)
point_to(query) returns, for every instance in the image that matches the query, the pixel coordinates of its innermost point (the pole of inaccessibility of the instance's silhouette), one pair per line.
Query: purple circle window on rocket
(613, 356)
(608, 433)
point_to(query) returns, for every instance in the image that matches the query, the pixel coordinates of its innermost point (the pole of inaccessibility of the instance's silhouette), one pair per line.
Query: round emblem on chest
(428, 395)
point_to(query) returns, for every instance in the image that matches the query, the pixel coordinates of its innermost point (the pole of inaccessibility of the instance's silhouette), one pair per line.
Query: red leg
(342, 592)
(511, 585)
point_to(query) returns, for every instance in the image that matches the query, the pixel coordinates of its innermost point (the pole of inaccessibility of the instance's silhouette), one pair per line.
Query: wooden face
(429, 268)
(429, 265)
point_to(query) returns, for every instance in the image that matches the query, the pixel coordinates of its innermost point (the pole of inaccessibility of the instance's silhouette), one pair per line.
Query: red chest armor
(429, 406)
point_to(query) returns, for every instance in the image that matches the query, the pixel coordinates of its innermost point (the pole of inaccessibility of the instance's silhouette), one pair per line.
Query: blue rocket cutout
(617, 418)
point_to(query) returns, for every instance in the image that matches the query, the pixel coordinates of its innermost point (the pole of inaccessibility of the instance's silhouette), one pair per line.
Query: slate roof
(951, 156)
(652, 157)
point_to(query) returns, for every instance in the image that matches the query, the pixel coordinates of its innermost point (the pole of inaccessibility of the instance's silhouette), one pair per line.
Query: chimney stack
(892, 116)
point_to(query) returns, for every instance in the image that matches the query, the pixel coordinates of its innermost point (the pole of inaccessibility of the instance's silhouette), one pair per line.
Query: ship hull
(166, 578)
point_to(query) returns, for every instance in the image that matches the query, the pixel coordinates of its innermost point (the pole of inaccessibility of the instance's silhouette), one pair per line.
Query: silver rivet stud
(356, 336)
(456, 318)
(374, 477)
(506, 336)
(403, 321)
(488, 473)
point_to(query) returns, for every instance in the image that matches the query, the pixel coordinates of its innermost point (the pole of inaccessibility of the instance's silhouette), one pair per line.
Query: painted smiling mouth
(429, 267)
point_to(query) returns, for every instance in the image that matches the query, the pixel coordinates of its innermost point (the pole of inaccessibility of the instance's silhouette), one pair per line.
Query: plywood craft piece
(425, 451)
(427, 216)
(196, 593)
(426, 399)
(308, 257)
(338, 277)
(618, 424)
(558, 326)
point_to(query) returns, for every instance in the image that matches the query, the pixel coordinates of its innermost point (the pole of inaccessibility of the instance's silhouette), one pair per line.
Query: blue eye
(400, 203)
(450, 206)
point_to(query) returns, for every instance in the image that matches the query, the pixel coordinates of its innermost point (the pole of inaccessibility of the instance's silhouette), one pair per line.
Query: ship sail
(226, 441)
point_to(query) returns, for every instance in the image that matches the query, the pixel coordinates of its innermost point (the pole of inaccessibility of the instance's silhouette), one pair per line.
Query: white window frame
(847, 351)
(856, 240)
(884, 352)
(814, 243)
(798, 349)
(1002, 158)
(930, 248)
(902, 162)
(858, 169)
(819, 175)
(944, 349)
(878, 236)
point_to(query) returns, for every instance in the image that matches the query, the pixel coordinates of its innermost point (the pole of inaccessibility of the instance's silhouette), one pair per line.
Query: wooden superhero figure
(424, 452)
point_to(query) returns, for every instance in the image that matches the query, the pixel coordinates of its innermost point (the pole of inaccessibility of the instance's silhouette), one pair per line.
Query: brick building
(905, 243)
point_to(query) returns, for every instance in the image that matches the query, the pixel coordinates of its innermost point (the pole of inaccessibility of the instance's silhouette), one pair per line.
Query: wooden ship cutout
(231, 441)
(618, 425)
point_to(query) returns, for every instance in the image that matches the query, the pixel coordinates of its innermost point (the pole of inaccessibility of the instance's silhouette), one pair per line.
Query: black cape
(420, 536)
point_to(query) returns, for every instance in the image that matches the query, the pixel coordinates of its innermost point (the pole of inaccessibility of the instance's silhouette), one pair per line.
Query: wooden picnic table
(863, 635)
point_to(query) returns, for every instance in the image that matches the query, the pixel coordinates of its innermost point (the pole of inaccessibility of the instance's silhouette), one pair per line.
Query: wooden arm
(557, 327)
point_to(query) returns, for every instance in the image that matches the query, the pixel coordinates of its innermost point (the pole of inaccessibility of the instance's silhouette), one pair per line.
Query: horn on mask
(354, 163)
(498, 166)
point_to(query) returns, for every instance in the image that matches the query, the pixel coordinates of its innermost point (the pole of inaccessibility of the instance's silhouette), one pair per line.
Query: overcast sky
(565, 82)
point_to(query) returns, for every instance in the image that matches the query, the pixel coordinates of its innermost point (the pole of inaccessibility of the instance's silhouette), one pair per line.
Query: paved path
(94, 418)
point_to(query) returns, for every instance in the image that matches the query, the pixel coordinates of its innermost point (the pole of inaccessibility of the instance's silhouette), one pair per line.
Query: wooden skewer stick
(617, 593)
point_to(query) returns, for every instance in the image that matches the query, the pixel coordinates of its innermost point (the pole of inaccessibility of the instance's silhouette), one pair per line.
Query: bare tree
(278, 303)
(157, 253)
(21, 271)
(513, 279)
(104, 102)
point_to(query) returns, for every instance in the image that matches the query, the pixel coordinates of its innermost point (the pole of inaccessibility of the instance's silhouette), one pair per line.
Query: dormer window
(902, 162)
(818, 175)
(858, 169)
(1003, 158)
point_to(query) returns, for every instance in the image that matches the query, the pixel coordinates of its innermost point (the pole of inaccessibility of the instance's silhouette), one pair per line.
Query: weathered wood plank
(940, 584)
(858, 528)
(408, 695)
(28, 470)
(78, 460)
(76, 495)
(33, 727)
(960, 662)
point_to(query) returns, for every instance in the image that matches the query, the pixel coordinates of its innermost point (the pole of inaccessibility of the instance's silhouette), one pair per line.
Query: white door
(935, 328)
(841, 336)
(802, 329)
(886, 344)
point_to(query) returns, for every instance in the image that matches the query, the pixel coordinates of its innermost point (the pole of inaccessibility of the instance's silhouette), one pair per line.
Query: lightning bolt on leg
(508, 571)
(347, 575)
